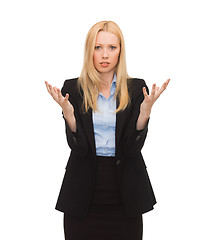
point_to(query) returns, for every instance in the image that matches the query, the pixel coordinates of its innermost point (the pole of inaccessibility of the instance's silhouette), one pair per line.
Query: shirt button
(118, 161)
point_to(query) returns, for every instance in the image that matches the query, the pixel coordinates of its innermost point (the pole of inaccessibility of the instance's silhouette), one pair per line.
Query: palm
(58, 97)
(149, 100)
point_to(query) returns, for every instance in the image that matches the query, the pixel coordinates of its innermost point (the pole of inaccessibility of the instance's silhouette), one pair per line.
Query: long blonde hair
(89, 80)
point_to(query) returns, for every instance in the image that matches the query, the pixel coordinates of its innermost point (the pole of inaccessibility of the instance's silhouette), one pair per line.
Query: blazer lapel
(120, 118)
(88, 126)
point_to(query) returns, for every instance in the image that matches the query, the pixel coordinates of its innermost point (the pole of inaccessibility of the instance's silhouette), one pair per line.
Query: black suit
(78, 183)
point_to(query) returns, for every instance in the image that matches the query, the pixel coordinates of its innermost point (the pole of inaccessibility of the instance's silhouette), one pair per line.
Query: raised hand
(149, 100)
(66, 106)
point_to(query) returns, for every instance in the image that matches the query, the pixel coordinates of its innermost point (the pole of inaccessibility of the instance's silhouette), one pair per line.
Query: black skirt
(106, 219)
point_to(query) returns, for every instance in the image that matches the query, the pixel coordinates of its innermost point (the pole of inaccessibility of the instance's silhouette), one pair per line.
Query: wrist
(142, 121)
(68, 113)
(71, 120)
(68, 116)
(145, 113)
(143, 118)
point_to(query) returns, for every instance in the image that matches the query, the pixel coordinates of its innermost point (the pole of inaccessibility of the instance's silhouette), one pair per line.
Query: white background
(44, 40)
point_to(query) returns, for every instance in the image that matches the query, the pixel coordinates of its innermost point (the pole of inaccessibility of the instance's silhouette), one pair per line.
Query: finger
(50, 89)
(153, 89)
(47, 86)
(60, 96)
(67, 97)
(164, 86)
(55, 90)
(145, 92)
(167, 81)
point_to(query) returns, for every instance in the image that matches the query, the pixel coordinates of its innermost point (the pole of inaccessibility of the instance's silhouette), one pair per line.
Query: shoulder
(70, 86)
(135, 85)
(136, 82)
(70, 82)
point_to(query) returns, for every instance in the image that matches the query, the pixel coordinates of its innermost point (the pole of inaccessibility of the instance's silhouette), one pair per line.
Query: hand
(68, 109)
(149, 100)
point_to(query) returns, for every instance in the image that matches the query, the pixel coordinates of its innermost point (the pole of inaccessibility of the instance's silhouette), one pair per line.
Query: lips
(104, 64)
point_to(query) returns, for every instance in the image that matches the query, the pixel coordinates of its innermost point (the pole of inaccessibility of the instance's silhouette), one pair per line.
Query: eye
(112, 47)
(97, 47)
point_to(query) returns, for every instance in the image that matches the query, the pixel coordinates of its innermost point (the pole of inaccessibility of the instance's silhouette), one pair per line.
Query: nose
(104, 53)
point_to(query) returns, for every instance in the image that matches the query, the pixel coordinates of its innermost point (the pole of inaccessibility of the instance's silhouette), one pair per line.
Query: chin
(107, 70)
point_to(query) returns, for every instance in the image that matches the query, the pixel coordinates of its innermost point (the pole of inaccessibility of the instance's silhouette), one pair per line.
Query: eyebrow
(107, 44)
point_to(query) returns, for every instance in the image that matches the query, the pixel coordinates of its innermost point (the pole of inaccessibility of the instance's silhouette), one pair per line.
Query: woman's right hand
(67, 108)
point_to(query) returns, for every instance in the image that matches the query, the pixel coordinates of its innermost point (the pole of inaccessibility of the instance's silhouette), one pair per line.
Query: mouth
(104, 64)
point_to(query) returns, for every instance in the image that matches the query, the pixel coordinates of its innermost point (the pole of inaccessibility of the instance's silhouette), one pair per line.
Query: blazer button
(118, 161)
(137, 138)
(75, 140)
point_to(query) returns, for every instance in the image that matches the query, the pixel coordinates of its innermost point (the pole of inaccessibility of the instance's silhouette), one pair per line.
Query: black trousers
(106, 219)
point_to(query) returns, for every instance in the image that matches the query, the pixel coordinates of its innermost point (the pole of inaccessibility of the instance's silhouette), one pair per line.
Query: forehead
(104, 37)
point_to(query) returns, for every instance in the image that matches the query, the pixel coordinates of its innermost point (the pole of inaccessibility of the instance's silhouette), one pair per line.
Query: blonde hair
(89, 80)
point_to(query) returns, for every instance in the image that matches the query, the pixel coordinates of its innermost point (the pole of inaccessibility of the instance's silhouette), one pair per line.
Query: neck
(106, 78)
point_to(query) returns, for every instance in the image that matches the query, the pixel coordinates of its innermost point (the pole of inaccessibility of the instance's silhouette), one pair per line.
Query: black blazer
(78, 184)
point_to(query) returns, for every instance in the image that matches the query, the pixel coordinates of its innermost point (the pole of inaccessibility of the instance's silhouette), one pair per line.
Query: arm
(71, 121)
(134, 138)
(146, 106)
(74, 131)
(138, 125)
(75, 138)
(67, 108)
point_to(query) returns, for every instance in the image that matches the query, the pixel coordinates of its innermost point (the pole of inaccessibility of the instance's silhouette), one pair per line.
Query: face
(106, 53)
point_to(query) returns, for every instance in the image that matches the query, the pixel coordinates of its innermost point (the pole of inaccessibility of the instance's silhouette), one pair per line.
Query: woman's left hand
(149, 100)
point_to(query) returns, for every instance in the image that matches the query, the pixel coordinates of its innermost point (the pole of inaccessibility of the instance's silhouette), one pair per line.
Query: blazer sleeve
(76, 140)
(135, 138)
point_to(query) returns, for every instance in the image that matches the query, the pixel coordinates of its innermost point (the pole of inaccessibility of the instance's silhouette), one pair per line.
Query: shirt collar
(113, 86)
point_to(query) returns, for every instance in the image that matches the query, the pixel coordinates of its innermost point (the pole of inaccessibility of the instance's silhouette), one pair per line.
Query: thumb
(67, 97)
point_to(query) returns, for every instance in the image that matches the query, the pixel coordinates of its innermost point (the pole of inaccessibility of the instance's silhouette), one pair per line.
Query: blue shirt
(104, 122)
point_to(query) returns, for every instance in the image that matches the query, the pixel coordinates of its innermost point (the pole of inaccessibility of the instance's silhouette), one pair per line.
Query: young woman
(106, 188)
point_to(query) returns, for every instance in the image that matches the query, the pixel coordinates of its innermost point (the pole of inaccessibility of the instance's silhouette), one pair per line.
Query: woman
(106, 188)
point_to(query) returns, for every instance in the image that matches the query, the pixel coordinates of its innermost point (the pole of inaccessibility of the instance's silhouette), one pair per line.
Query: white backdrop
(44, 40)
